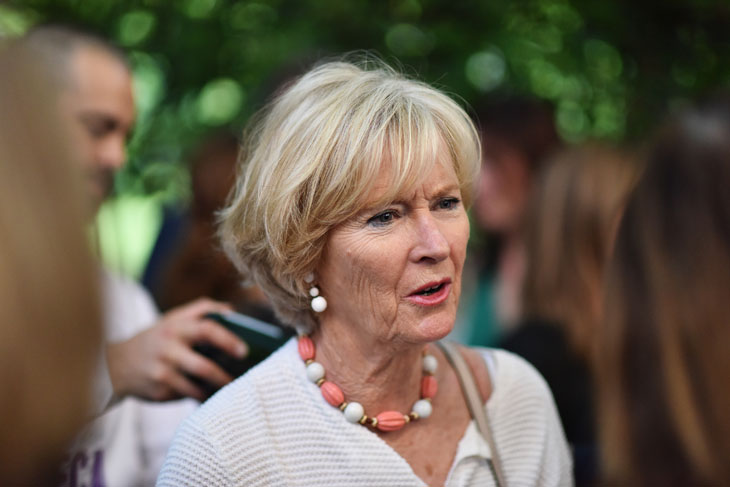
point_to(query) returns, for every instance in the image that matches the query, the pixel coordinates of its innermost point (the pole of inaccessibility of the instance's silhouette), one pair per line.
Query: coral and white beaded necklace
(354, 412)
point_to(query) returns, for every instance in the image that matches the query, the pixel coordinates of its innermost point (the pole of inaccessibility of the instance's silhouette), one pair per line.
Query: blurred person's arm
(156, 363)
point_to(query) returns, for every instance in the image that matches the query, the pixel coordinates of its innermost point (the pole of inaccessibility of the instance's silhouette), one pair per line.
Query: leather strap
(475, 405)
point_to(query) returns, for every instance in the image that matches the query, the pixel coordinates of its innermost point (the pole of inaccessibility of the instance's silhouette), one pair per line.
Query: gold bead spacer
(308, 361)
(343, 405)
(374, 422)
(407, 418)
(413, 415)
(364, 419)
(320, 382)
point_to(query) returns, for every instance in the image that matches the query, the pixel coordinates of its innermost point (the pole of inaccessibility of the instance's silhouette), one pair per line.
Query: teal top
(481, 313)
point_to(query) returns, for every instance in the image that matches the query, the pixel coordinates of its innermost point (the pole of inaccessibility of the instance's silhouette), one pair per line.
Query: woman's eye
(448, 203)
(382, 218)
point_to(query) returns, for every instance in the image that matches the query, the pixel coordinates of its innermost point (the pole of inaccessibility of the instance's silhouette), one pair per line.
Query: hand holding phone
(262, 339)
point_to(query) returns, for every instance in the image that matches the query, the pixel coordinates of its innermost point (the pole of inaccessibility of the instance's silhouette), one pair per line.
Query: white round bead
(430, 364)
(319, 304)
(309, 278)
(314, 292)
(354, 412)
(422, 408)
(315, 371)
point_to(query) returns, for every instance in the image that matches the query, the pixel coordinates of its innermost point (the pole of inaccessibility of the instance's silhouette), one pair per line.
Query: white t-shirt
(126, 444)
(272, 427)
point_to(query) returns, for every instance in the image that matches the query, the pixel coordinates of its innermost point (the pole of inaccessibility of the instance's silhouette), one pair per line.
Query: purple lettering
(78, 462)
(97, 479)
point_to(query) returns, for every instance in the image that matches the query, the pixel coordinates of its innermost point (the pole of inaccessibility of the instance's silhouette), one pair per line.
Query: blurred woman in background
(663, 361)
(517, 134)
(187, 261)
(49, 308)
(570, 227)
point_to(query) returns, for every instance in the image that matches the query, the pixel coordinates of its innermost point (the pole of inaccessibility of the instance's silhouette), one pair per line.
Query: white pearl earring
(318, 303)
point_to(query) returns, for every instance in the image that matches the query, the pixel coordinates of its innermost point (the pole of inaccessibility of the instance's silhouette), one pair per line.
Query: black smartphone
(261, 337)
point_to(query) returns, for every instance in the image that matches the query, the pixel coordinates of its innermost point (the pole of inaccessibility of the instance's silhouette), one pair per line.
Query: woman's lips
(432, 299)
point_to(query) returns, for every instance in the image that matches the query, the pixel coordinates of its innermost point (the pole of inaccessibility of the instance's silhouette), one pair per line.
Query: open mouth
(432, 293)
(430, 290)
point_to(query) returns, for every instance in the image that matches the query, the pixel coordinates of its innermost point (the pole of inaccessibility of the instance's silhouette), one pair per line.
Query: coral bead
(422, 408)
(315, 371)
(332, 394)
(429, 386)
(306, 348)
(430, 364)
(390, 421)
(354, 412)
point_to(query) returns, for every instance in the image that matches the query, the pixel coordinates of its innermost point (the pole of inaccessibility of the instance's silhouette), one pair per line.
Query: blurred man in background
(147, 356)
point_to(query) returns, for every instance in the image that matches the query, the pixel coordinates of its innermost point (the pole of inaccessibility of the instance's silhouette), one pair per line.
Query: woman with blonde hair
(350, 215)
(49, 306)
(571, 222)
(663, 364)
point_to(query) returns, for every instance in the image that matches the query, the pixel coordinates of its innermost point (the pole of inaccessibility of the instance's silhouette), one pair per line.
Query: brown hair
(663, 365)
(198, 266)
(575, 207)
(525, 124)
(49, 306)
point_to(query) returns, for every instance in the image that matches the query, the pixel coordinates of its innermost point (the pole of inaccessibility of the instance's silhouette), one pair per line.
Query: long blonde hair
(49, 307)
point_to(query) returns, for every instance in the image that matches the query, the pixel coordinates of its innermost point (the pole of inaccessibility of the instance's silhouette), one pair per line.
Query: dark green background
(612, 68)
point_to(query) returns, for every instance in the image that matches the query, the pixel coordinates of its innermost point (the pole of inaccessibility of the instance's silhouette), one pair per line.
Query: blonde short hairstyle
(311, 157)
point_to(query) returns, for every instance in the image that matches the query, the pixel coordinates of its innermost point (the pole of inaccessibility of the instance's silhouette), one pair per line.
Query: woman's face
(504, 187)
(393, 272)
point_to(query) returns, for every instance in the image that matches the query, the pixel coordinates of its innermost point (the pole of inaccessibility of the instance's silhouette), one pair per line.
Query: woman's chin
(435, 328)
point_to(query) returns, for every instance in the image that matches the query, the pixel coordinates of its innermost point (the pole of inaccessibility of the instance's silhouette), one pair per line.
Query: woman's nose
(430, 242)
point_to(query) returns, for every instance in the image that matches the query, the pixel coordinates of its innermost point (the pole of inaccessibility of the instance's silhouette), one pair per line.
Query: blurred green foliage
(611, 68)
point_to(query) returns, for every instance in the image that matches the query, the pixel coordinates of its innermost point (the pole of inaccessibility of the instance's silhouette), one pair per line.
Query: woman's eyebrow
(438, 192)
(382, 205)
(443, 190)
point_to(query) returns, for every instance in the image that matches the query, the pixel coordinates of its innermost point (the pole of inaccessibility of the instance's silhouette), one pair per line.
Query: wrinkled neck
(379, 374)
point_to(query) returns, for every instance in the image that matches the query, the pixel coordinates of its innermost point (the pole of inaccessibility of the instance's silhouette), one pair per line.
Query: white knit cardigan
(271, 427)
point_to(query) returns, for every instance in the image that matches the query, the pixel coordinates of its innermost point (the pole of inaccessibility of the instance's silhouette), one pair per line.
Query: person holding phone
(148, 358)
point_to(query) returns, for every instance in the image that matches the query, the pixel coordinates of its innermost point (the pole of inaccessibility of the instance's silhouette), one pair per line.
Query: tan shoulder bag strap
(475, 405)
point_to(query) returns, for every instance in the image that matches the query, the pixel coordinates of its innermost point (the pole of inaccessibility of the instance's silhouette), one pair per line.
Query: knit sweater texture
(272, 427)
